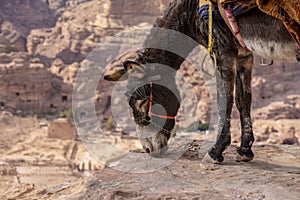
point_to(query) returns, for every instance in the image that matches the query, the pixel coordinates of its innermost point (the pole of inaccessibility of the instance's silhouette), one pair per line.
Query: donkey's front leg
(225, 87)
(243, 103)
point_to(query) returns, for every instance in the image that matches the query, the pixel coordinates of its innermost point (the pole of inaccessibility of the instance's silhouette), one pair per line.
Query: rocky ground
(33, 166)
(28, 155)
(274, 174)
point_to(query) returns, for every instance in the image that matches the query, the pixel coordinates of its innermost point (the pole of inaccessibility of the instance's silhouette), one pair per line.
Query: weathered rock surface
(36, 35)
(83, 24)
(274, 174)
(28, 86)
(27, 15)
(62, 129)
(58, 34)
(28, 155)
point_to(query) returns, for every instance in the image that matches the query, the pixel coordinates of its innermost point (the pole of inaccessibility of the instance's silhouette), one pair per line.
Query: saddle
(237, 9)
(288, 11)
(226, 10)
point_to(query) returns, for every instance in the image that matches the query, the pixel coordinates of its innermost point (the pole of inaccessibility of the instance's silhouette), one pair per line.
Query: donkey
(263, 35)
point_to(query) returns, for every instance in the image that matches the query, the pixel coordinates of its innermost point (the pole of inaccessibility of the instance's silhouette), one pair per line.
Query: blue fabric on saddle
(236, 10)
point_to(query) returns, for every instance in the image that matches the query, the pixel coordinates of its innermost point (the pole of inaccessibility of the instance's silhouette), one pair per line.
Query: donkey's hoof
(209, 164)
(243, 158)
(209, 160)
(244, 155)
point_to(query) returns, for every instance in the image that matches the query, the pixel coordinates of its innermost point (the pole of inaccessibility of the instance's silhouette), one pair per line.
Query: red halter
(150, 107)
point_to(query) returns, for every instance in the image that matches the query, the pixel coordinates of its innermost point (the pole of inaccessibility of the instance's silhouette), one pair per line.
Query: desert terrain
(43, 44)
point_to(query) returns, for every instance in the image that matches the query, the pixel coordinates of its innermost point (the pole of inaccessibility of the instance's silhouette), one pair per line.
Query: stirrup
(263, 64)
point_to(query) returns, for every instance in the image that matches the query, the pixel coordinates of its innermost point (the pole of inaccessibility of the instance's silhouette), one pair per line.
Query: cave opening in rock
(64, 98)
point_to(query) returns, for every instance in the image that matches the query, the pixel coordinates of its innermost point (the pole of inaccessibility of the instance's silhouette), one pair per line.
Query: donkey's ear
(134, 69)
(119, 75)
(131, 68)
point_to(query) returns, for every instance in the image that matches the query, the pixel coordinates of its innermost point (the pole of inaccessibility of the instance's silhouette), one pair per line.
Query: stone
(62, 129)
(28, 86)
(53, 49)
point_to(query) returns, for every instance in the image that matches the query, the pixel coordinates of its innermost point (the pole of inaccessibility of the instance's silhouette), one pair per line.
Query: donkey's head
(154, 104)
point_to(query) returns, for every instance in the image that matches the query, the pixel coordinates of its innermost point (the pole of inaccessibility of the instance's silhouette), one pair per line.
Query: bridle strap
(151, 104)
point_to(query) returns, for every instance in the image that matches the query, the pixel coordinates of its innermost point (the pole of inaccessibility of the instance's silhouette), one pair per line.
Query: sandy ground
(28, 156)
(33, 166)
(273, 174)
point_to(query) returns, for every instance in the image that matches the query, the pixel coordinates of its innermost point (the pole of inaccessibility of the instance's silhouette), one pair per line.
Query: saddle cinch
(288, 11)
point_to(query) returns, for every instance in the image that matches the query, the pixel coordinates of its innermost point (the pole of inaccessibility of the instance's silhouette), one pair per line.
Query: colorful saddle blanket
(286, 10)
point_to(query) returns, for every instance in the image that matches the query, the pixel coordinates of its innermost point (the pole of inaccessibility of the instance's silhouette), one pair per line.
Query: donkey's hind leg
(225, 88)
(243, 102)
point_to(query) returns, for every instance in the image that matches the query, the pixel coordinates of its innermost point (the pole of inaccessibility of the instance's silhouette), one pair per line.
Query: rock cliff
(43, 42)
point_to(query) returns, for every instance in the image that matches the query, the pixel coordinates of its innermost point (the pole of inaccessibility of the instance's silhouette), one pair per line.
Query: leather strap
(226, 14)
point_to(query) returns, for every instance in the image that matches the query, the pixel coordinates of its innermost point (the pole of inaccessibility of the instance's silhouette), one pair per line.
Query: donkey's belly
(272, 50)
(267, 36)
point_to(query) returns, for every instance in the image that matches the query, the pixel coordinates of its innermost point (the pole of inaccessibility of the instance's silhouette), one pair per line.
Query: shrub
(110, 124)
(67, 114)
(197, 126)
(20, 113)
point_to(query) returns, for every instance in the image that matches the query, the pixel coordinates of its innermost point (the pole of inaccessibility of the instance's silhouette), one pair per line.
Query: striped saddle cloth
(235, 9)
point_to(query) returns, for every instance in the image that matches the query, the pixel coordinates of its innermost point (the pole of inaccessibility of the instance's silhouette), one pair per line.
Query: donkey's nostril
(147, 150)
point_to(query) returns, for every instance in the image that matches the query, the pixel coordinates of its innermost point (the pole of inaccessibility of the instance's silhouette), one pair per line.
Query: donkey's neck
(179, 17)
